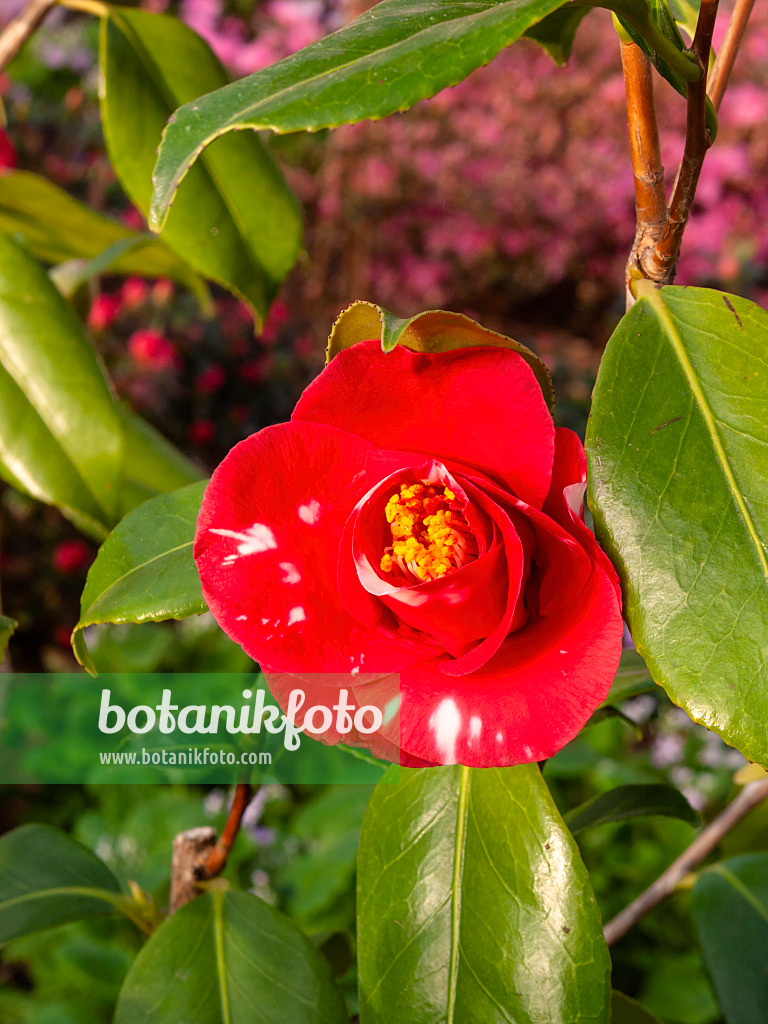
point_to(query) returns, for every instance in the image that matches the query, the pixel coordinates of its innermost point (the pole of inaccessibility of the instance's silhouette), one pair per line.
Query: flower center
(430, 536)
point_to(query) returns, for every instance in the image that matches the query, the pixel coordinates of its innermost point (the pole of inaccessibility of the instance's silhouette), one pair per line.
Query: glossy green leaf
(433, 331)
(396, 54)
(151, 464)
(730, 909)
(229, 958)
(678, 448)
(237, 222)
(55, 227)
(473, 904)
(631, 679)
(47, 879)
(7, 629)
(60, 433)
(144, 571)
(634, 801)
(628, 1011)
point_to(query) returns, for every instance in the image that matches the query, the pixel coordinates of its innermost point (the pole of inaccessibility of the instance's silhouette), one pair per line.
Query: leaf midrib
(104, 895)
(660, 309)
(221, 960)
(134, 569)
(742, 890)
(459, 847)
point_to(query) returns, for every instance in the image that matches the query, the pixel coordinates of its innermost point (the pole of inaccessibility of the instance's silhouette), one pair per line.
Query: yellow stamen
(429, 538)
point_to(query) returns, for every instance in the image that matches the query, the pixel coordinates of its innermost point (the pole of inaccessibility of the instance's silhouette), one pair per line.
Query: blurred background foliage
(508, 198)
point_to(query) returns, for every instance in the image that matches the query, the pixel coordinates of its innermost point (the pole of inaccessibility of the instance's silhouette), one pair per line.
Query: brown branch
(647, 168)
(190, 853)
(661, 262)
(703, 844)
(217, 858)
(18, 31)
(721, 72)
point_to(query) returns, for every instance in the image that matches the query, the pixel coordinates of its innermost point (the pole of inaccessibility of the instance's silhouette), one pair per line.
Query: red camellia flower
(420, 516)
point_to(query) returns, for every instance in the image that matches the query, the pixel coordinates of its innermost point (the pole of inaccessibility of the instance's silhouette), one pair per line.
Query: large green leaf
(394, 55)
(730, 908)
(237, 223)
(55, 227)
(144, 571)
(435, 330)
(678, 448)
(632, 801)
(46, 879)
(473, 904)
(229, 958)
(61, 438)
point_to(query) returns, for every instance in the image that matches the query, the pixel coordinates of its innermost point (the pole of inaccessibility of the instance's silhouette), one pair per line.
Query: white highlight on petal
(499, 737)
(254, 541)
(355, 671)
(242, 618)
(310, 512)
(475, 727)
(296, 615)
(445, 722)
(292, 574)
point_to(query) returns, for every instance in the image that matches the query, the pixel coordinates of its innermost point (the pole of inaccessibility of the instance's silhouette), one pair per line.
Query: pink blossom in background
(135, 292)
(152, 351)
(162, 291)
(210, 380)
(104, 310)
(71, 556)
(201, 432)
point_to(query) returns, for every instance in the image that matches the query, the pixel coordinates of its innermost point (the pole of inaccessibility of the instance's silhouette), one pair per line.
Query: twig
(647, 168)
(721, 72)
(217, 858)
(190, 854)
(18, 31)
(661, 262)
(703, 844)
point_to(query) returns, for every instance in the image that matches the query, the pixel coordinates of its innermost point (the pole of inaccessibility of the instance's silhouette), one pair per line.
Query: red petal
(529, 700)
(267, 548)
(565, 501)
(479, 406)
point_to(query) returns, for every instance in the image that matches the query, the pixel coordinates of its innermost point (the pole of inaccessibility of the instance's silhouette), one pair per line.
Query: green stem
(682, 62)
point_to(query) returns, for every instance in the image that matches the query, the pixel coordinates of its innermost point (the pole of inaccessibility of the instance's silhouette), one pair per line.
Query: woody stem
(661, 261)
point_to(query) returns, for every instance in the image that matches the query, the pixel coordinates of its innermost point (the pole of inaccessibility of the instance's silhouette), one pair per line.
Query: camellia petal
(267, 548)
(479, 406)
(529, 700)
